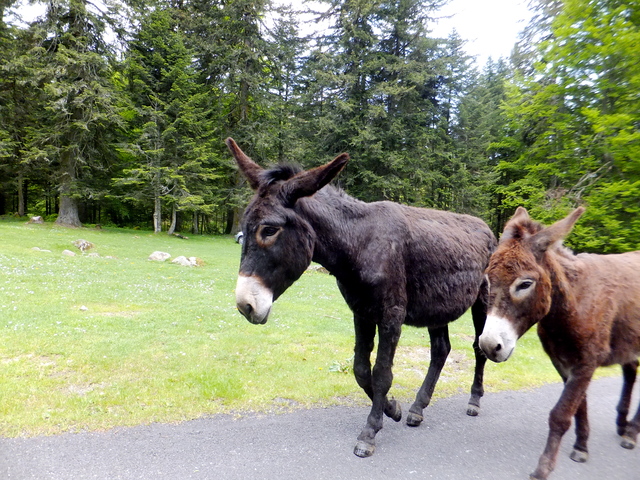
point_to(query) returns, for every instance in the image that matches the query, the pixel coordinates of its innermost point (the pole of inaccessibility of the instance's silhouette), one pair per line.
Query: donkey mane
(279, 172)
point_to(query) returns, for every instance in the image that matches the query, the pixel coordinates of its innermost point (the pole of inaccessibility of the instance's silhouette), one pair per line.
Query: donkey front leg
(440, 348)
(377, 386)
(580, 452)
(573, 396)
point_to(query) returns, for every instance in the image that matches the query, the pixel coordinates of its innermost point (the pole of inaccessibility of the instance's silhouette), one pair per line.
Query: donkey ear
(515, 225)
(249, 168)
(520, 215)
(310, 181)
(556, 232)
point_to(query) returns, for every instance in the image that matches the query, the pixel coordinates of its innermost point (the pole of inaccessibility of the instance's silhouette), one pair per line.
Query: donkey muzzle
(253, 299)
(498, 339)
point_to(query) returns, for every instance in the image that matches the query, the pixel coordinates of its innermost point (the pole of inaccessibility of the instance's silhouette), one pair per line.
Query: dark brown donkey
(394, 264)
(587, 308)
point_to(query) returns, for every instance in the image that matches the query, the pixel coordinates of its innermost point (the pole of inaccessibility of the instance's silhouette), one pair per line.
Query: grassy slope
(159, 342)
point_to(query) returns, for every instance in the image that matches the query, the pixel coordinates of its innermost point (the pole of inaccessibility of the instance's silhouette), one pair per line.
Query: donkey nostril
(245, 309)
(498, 347)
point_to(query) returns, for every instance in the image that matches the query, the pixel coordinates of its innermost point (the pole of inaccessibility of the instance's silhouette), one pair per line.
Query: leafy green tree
(170, 146)
(21, 104)
(574, 125)
(378, 87)
(477, 132)
(69, 65)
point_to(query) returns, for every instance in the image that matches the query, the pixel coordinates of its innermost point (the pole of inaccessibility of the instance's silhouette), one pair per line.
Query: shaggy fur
(394, 264)
(587, 308)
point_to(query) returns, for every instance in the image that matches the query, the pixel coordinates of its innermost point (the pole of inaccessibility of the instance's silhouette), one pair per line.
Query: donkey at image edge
(393, 264)
(587, 308)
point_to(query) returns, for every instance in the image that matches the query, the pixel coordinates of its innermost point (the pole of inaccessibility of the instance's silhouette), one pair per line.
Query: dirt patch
(416, 360)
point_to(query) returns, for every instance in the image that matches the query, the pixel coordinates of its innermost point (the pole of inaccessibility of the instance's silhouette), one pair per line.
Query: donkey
(394, 264)
(587, 308)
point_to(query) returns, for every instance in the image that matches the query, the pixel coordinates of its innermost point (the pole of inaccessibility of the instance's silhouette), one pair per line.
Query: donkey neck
(335, 217)
(564, 272)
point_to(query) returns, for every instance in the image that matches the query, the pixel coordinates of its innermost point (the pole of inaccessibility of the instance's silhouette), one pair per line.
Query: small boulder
(159, 256)
(196, 262)
(83, 245)
(68, 253)
(182, 260)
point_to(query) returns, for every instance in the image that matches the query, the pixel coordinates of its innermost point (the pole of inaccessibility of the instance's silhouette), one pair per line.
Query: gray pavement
(503, 442)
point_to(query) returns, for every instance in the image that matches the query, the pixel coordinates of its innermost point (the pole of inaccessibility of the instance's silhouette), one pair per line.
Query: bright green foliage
(575, 135)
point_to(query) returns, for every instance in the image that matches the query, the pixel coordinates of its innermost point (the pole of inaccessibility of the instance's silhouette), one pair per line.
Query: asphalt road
(503, 442)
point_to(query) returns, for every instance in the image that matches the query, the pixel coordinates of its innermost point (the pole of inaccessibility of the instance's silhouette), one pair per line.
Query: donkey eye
(267, 234)
(524, 285)
(269, 231)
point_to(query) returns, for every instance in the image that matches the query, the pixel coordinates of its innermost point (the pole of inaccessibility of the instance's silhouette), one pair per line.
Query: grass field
(91, 343)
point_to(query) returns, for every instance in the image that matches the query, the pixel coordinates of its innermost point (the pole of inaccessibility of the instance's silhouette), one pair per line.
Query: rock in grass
(159, 256)
(188, 262)
(68, 253)
(83, 245)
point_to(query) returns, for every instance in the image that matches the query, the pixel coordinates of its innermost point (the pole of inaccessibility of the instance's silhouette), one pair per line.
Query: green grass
(92, 343)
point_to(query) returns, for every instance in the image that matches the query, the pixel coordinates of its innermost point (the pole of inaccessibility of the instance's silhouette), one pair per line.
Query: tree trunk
(68, 214)
(174, 218)
(232, 224)
(21, 199)
(196, 228)
(157, 215)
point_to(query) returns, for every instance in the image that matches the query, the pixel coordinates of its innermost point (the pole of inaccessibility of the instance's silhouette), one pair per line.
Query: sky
(490, 27)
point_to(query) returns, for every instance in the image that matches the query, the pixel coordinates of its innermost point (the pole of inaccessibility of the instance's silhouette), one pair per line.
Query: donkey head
(278, 243)
(519, 281)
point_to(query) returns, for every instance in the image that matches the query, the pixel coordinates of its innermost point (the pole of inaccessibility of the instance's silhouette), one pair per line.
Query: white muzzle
(253, 299)
(498, 339)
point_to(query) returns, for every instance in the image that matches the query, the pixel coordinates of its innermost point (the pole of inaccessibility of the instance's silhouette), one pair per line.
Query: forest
(115, 112)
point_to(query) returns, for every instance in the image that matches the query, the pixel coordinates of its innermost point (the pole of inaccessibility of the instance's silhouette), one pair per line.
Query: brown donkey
(587, 308)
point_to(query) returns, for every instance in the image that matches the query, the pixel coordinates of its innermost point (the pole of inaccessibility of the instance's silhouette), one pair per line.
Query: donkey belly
(441, 301)
(434, 297)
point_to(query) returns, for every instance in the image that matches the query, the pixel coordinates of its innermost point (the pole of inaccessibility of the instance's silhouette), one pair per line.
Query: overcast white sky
(490, 27)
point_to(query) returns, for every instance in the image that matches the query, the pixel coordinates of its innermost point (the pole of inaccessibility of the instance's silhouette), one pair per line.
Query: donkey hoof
(364, 449)
(414, 419)
(579, 456)
(473, 410)
(394, 411)
(627, 442)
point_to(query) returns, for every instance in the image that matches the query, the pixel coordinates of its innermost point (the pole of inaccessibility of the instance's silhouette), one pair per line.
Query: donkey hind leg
(440, 348)
(580, 452)
(626, 429)
(479, 315)
(376, 383)
(573, 398)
